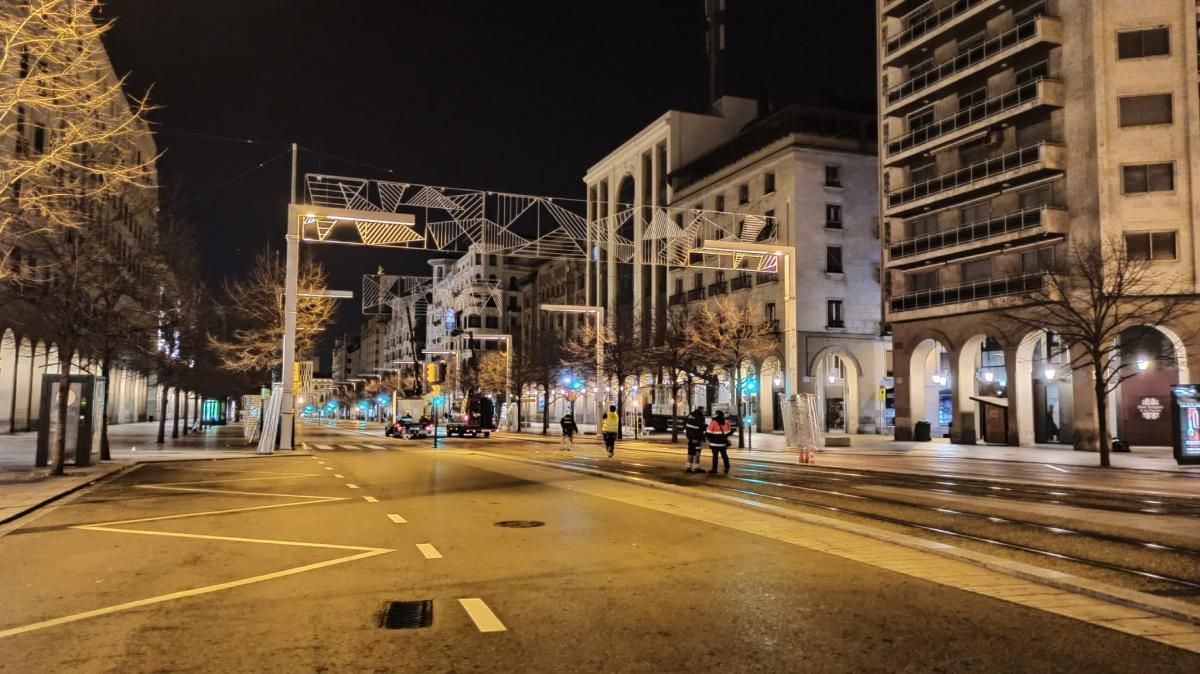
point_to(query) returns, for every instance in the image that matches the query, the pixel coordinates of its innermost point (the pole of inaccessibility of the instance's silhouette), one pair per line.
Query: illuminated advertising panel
(1185, 423)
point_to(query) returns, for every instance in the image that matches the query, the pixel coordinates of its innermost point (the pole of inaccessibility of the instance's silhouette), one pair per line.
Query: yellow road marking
(397, 519)
(370, 499)
(481, 615)
(429, 551)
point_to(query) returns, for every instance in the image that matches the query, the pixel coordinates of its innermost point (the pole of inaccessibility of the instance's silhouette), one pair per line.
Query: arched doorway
(982, 395)
(836, 374)
(1152, 359)
(929, 386)
(1042, 391)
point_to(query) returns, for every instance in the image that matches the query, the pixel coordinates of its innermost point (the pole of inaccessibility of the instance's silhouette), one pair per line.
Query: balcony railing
(969, 174)
(1029, 218)
(742, 282)
(965, 60)
(677, 298)
(695, 294)
(976, 113)
(924, 26)
(767, 278)
(979, 290)
(718, 288)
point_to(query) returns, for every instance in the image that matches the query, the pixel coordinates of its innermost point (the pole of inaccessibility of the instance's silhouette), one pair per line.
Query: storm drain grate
(407, 615)
(520, 524)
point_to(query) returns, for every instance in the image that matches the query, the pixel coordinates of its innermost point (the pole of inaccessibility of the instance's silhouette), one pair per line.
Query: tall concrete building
(1009, 130)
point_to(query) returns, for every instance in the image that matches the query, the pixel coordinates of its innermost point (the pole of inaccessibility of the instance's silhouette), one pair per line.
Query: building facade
(812, 175)
(1010, 130)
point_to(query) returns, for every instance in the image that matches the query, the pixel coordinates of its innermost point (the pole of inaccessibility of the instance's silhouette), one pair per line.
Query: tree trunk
(1102, 419)
(741, 425)
(187, 404)
(58, 452)
(105, 371)
(175, 416)
(162, 416)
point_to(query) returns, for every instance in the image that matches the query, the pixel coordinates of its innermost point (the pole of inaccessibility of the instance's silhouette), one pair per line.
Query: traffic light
(750, 386)
(435, 373)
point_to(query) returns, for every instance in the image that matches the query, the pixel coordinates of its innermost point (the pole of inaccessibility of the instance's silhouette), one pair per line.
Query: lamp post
(600, 333)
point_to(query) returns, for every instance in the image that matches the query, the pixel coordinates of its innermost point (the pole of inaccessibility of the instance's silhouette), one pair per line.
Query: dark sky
(509, 95)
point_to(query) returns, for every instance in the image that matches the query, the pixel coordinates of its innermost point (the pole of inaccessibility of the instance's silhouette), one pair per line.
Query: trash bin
(921, 431)
(1119, 445)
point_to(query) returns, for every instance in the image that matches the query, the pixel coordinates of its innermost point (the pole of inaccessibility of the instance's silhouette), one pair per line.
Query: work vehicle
(476, 416)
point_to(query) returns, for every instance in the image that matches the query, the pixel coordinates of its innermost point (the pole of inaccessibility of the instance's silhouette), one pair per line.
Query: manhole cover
(520, 524)
(407, 615)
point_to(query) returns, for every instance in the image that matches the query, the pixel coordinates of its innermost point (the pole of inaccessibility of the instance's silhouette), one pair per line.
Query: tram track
(1160, 568)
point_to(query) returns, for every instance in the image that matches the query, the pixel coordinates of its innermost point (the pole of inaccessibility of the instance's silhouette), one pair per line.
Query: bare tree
(625, 358)
(256, 308)
(678, 357)
(493, 372)
(726, 334)
(76, 139)
(1098, 302)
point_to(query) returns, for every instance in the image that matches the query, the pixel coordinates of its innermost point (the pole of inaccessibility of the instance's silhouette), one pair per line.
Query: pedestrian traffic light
(750, 386)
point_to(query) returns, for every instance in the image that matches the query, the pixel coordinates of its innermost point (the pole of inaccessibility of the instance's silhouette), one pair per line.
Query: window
(1037, 261)
(834, 318)
(678, 286)
(1145, 110)
(1148, 178)
(1136, 44)
(743, 194)
(970, 42)
(925, 281)
(720, 277)
(1042, 195)
(923, 226)
(769, 311)
(1150, 246)
(473, 321)
(972, 98)
(1037, 71)
(769, 182)
(478, 258)
(978, 212)
(492, 321)
(833, 175)
(973, 152)
(920, 69)
(979, 270)
(833, 259)
(769, 228)
(719, 203)
(833, 216)
(492, 260)
(698, 280)
(923, 173)
(39, 139)
(1029, 12)
(920, 119)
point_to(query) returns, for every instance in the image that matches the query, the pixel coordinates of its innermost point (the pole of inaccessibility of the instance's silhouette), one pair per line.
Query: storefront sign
(1185, 423)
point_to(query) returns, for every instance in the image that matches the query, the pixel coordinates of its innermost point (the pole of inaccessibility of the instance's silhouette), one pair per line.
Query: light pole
(601, 331)
(298, 215)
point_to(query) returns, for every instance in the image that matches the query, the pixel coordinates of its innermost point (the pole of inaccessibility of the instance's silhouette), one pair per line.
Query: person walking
(693, 427)
(569, 429)
(719, 430)
(609, 426)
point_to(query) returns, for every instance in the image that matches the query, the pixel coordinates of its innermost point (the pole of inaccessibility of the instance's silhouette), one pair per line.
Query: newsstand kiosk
(1185, 423)
(85, 410)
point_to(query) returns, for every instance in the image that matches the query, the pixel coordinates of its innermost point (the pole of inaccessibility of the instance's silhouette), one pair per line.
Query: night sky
(512, 95)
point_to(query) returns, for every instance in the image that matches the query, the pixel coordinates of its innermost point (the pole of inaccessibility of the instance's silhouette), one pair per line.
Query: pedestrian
(1051, 427)
(719, 430)
(569, 429)
(609, 426)
(694, 429)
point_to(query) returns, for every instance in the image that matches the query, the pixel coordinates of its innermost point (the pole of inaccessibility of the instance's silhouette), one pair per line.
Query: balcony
(718, 288)
(996, 231)
(1010, 104)
(1038, 30)
(971, 180)
(901, 7)
(741, 282)
(676, 299)
(695, 294)
(766, 278)
(967, 292)
(930, 24)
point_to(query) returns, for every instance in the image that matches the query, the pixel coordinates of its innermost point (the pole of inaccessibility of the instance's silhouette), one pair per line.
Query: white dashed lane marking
(352, 486)
(370, 499)
(1055, 468)
(339, 475)
(481, 615)
(326, 447)
(397, 519)
(328, 468)
(429, 551)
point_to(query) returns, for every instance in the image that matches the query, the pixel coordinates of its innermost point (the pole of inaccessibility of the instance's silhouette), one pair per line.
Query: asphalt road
(279, 564)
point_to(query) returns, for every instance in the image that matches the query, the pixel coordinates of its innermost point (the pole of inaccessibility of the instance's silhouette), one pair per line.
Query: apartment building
(1010, 129)
(812, 176)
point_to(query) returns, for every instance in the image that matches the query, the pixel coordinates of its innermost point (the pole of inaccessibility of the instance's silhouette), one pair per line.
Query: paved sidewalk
(24, 487)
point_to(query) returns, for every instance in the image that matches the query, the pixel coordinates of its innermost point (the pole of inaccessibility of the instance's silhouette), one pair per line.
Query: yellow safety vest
(610, 423)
